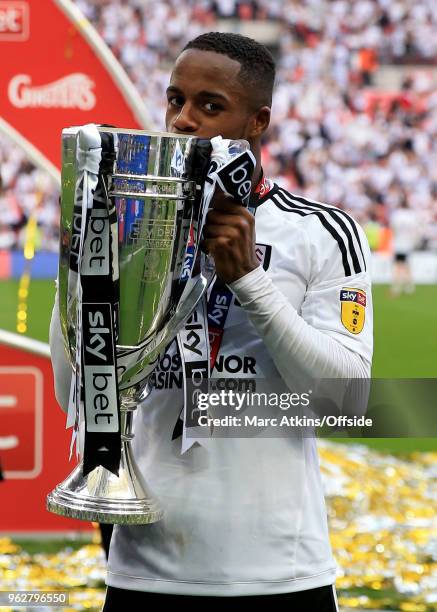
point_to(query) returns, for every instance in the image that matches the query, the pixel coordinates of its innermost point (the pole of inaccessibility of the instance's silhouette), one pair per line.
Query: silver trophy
(154, 184)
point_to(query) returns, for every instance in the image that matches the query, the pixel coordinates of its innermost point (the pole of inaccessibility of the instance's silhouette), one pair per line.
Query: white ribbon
(88, 156)
(223, 152)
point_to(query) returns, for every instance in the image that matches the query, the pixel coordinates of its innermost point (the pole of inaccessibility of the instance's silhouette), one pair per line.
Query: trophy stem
(102, 496)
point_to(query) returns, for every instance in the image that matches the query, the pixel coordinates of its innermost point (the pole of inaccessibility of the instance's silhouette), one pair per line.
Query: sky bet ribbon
(231, 168)
(98, 305)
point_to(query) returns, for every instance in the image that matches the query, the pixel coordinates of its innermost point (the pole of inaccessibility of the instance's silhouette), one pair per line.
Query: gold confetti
(383, 528)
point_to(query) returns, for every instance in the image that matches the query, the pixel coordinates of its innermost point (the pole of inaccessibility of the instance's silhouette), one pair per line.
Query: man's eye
(211, 107)
(176, 101)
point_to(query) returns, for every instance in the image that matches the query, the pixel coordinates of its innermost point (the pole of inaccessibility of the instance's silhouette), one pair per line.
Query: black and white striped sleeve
(332, 335)
(335, 237)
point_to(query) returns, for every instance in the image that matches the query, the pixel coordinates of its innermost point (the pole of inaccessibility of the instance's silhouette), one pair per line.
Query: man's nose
(185, 121)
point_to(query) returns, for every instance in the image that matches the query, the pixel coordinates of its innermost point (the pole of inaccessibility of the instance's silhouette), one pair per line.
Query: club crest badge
(353, 309)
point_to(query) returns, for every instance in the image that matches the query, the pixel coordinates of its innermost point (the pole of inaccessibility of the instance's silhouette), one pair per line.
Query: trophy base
(103, 497)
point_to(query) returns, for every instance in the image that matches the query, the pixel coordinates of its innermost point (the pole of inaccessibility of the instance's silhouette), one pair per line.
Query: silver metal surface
(104, 497)
(155, 206)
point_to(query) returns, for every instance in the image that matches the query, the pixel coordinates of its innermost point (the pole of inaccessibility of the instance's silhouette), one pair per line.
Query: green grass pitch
(404, 335)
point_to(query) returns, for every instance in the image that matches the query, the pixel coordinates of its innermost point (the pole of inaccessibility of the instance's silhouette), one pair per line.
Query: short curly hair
(257, 63)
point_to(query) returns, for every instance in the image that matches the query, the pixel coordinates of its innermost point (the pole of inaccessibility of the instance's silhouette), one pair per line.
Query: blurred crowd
(334, 136)
(24, 191)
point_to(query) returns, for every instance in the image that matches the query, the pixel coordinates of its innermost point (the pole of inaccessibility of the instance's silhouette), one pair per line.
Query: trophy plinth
(103, 497)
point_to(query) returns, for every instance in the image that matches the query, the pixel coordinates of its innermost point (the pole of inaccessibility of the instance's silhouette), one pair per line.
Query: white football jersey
(405, 225)
(247, 516)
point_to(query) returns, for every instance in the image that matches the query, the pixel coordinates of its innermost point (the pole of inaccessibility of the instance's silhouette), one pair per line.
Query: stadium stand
(338, 133)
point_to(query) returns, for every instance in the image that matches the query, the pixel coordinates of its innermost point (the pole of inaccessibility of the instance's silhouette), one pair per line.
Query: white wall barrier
(423, 267)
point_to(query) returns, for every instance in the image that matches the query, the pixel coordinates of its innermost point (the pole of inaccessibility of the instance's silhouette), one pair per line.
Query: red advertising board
(14, 20)
(21, 421)
(59, 73)
(34, 444)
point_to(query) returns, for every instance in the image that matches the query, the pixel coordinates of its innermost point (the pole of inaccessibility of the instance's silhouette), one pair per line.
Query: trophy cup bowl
(155, 185)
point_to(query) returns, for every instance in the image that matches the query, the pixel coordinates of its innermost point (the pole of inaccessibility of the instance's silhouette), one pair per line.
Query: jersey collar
(261, 190)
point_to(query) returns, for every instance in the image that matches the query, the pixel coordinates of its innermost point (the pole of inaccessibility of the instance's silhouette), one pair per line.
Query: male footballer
(246, 518)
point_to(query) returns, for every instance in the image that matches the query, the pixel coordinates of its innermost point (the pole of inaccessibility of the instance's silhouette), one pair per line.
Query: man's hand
(229, 236)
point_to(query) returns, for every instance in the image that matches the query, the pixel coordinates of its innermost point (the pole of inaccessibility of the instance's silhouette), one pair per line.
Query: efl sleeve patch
(353, 309)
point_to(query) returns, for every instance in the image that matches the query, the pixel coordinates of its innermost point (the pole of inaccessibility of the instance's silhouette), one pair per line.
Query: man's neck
(257, 173)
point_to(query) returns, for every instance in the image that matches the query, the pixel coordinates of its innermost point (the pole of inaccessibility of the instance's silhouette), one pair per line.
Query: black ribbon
(100, 312)
(235, 179)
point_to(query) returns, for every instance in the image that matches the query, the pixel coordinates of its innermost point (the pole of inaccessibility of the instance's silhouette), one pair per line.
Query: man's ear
(259, 122)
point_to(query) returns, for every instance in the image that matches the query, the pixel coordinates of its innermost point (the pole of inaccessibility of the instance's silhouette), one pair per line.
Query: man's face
(206, 99)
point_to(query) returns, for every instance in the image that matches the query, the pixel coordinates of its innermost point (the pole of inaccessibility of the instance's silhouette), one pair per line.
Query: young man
(246, 517)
